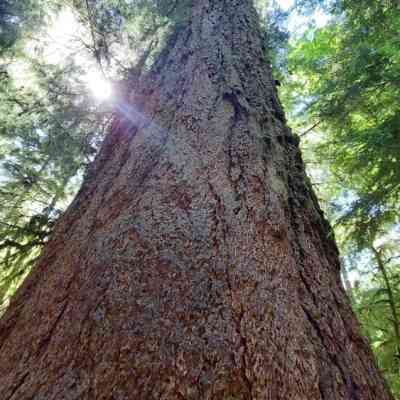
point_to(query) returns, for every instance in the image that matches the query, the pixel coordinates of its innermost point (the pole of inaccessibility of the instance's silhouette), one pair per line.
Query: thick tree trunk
(195, 262)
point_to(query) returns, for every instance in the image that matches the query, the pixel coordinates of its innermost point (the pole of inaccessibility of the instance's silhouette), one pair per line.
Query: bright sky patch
(98, 85)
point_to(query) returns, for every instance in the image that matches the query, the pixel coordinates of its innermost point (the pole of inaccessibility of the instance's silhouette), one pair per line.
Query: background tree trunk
(195, 262)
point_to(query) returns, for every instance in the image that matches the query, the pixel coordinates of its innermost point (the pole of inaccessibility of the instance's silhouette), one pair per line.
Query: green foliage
(48, 134)
(372, 304)
(119, 28)
(18, 18)
(348, 72)
(342, 91)
(276, 37)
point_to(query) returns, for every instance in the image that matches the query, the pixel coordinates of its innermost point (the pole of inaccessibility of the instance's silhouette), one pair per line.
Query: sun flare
(98, 86)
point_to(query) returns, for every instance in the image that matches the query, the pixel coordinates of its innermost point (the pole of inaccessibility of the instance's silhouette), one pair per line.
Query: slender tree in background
(195, 262)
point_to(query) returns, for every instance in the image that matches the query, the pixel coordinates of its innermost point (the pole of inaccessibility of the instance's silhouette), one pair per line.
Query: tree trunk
(394, 320)
(195, 262)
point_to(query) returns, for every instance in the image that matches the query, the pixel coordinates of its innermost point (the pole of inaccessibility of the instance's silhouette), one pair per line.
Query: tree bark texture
(195, 262)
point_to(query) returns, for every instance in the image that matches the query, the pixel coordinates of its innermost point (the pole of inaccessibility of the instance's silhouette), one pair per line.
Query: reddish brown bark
(195, 262)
